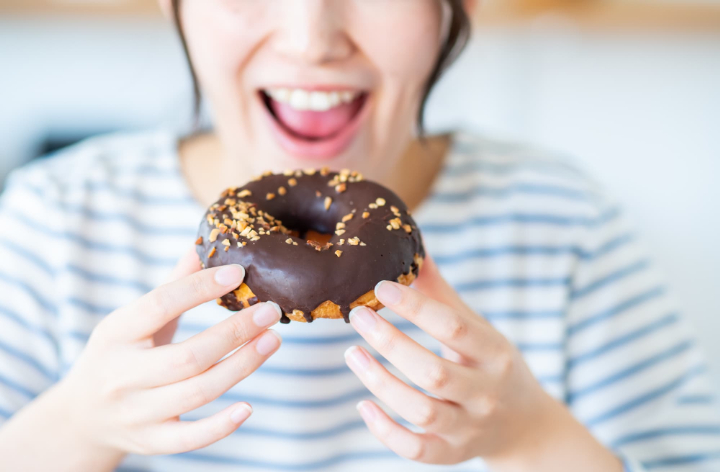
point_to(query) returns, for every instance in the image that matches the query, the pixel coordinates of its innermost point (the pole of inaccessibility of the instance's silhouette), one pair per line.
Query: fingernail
(362, 319)
(359, 359)
(230, 275)
(267, 314)
(366, 411)
(267, 343)
(241, 413)
(387, 293)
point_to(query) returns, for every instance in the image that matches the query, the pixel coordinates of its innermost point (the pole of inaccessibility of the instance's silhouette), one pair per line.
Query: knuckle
(199, 285)
(374, 378)
(504, 363)
(413, 304)
(427, 415)
(111, 388)
(455, 328)
(488, 405)
(415, 450)
(195, 396)
(436, 376)
(186, 361)
(244, 369)
(386, 340)
(185, 443)
(160, 303)
(137, 445)
(239, 331)
(144, 444)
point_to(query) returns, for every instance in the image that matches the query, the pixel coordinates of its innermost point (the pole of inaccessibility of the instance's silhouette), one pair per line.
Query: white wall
(642, 113)
(85, 75)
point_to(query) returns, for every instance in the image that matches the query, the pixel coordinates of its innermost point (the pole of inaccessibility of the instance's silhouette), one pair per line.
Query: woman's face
(309, 83)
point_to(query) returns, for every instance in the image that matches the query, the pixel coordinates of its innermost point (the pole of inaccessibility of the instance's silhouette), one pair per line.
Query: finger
(181, 397)
(176, 362)
(414, 406)
(147, 315)
(175, 437)
(431, 282)
(427, 448)
(189, 263)
(430, 372)
(459, 329)
(453, 356)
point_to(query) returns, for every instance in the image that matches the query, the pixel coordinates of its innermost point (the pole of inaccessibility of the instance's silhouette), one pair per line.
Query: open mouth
(315, 124)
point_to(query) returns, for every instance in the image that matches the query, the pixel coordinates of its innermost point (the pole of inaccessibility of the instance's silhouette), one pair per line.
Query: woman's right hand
(125, 392)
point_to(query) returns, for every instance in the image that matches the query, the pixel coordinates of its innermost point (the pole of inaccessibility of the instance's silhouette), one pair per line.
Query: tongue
(314, 124)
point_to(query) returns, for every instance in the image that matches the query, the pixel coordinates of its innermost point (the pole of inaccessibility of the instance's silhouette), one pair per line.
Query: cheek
(221, 38)
(403, 43)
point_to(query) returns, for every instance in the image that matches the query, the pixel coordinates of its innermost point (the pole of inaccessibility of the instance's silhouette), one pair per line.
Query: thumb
(430, 282)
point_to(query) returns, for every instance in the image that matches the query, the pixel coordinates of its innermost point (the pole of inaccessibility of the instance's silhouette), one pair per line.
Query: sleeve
(635, 375)
(29, 349)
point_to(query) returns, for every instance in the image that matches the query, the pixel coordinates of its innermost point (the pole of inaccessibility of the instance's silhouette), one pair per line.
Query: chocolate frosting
(283, 267)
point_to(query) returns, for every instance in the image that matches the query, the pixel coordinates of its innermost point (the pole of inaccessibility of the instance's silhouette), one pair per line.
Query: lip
(325, 149)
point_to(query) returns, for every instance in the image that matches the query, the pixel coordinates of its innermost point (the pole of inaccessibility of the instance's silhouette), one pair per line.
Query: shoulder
(100, 159)
(101, 191)
(522, 178)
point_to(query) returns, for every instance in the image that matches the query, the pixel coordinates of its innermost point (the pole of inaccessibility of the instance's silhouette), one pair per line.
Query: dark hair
(457, 37)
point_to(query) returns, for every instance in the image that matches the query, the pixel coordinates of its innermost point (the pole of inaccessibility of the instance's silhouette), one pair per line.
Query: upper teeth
(311, 100)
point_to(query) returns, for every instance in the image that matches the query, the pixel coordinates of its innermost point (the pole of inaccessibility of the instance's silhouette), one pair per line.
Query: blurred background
(629, 88)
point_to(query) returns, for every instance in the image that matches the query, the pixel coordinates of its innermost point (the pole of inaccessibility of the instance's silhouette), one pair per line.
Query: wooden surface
(682, 15)
(101, 7)
(607, 15)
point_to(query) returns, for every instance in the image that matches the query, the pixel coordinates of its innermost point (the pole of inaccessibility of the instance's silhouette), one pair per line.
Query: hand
(488, 404)
(126, 391)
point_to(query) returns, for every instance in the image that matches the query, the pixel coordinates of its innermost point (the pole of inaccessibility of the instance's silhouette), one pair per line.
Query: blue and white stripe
(526, 240)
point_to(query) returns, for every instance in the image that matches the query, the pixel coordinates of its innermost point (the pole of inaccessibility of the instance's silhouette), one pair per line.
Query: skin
(127, 389)
(239, 46)
(125, 393)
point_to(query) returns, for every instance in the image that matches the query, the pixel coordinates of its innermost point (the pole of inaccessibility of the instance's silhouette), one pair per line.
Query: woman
(540, 338)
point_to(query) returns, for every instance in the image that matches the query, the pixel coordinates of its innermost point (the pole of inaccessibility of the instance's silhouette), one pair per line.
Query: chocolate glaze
(301, 277)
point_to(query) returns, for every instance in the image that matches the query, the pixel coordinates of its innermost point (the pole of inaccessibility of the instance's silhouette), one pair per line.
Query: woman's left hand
(488, 402)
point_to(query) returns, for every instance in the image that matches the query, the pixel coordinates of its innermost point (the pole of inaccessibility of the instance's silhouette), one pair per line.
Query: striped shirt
(527, 241)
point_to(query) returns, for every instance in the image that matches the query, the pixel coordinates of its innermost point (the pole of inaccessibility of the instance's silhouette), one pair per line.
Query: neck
(208, 170)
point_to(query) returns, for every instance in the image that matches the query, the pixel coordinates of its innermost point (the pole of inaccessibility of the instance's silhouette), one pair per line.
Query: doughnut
(313, 241)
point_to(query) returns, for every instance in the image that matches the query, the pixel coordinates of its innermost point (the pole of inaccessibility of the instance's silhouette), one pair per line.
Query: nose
(313, 31)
